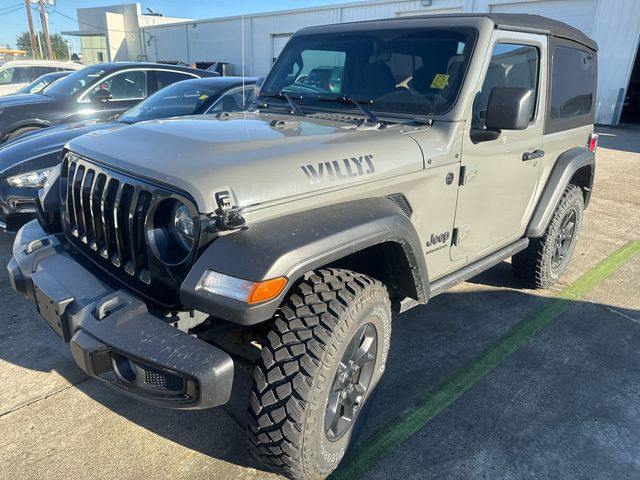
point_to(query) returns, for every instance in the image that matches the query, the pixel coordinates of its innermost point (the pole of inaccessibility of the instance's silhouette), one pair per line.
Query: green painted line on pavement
(372, 450)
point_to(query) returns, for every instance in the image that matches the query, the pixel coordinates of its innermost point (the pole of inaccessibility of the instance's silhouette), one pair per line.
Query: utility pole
(45, 28)
(31, 34)
(40, 43)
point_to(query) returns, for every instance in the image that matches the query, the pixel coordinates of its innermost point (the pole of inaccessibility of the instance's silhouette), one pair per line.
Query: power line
(11, 6)
(12, 11)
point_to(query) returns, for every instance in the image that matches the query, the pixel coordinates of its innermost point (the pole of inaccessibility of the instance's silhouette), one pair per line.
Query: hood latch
(227, 216)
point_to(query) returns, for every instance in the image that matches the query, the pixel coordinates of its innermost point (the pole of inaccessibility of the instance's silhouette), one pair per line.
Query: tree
(58, 46)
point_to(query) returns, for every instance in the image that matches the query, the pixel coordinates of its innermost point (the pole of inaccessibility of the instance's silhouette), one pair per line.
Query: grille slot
(107, 214)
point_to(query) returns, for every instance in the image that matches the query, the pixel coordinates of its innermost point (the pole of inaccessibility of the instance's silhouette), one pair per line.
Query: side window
(231, 101)
(35, 72)
(6, 76)
(165, 78)
(125, 85)
(21, 75)
(511, 65)
(249, 93)
(15, 75)
(572, 83)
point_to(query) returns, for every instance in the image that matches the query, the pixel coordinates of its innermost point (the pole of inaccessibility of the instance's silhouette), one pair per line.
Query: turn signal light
(239, 289)
(268, 290)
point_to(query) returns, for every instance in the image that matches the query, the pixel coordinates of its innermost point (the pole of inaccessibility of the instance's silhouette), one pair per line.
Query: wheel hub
(351, 382)
(564, 239)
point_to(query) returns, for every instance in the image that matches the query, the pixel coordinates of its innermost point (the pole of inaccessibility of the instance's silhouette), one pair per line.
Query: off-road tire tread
(531, 266)
(291, 359)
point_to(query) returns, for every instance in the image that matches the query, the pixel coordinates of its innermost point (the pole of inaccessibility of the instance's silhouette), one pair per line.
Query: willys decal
(339, 169)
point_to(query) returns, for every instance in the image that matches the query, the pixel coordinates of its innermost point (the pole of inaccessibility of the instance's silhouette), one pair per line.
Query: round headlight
(173, 231)
(183, 225)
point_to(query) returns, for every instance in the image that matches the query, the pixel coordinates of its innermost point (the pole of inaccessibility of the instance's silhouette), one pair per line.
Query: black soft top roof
(504, 21)
(524, 22)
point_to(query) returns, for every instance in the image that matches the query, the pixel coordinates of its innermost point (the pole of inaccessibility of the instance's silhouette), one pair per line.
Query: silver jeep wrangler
(381, 163)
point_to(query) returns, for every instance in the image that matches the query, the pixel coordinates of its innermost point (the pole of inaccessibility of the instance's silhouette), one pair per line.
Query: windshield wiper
(369, 117)
(289, 98)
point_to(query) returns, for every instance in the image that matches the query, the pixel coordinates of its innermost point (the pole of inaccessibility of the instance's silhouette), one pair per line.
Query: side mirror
(509, 108)
(101, 95)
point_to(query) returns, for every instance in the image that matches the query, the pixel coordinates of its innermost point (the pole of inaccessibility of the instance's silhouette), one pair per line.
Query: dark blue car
(26, 162)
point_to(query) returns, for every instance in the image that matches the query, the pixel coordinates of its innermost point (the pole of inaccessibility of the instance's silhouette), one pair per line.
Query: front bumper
(112, 335)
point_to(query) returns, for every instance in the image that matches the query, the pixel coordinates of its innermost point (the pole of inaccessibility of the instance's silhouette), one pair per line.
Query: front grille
(159, 379)
(105, 216)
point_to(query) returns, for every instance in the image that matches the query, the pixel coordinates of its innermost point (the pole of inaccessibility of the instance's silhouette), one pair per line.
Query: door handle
(526, 156)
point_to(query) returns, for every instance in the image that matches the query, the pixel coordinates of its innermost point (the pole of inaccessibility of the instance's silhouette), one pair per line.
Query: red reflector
(593, 142)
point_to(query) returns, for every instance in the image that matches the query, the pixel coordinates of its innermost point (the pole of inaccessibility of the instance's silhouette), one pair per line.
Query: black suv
(95, 92)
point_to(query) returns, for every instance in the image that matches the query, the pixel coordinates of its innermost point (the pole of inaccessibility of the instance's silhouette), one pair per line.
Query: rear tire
(546, 258)
(305, 386)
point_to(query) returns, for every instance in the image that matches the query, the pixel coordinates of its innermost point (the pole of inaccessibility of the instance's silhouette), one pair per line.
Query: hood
(28, 99)
(257, 157)
(42, 148)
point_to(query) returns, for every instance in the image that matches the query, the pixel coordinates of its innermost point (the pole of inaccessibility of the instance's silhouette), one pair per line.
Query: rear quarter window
(572, 83)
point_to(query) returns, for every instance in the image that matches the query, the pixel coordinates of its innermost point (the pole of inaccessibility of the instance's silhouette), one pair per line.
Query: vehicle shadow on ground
(429, 344)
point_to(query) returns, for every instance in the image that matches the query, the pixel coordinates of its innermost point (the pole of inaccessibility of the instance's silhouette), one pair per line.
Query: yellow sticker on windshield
(203, 97)
(440, 81)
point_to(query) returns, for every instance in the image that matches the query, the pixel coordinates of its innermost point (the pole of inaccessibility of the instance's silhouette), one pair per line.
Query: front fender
(293, 245)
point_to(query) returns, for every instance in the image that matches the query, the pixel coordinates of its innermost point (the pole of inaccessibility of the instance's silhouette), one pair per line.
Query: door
(126, 89)
(497, 180)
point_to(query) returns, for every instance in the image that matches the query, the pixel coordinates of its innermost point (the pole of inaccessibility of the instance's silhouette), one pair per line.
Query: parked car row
(17, 74)
(35, 127)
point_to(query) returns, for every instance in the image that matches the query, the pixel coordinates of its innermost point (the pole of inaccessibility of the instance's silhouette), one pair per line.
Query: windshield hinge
(467, 174)
(459, 234)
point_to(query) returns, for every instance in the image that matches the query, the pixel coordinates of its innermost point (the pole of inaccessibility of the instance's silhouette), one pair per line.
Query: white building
(113, 33)
(250, 43)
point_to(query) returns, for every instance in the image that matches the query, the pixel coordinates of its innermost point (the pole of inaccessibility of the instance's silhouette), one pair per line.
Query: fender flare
(30, 122)
(293, 245)
(566, 166)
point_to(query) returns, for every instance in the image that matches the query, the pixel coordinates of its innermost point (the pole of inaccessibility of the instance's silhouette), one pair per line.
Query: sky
(13, 16)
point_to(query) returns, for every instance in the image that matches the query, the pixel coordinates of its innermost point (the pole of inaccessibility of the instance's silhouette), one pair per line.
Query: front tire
(546, 258)
(321, 362)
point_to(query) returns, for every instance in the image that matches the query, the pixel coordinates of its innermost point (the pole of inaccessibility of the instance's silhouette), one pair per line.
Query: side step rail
(470, 271)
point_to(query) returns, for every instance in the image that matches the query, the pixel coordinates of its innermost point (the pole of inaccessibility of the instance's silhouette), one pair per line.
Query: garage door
(577, 13)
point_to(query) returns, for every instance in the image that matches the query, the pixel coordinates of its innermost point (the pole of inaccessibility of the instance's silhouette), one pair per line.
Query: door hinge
(467, 174)
(459, 234)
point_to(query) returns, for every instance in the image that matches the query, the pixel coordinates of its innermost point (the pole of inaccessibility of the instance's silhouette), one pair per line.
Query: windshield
(40, 83)
(182, 98)
(76, 81)
(403, 71)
